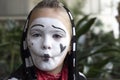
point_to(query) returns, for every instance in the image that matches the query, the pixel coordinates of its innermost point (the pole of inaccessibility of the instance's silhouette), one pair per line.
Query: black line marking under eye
(38, 25)
(58, 28)
(62, 48)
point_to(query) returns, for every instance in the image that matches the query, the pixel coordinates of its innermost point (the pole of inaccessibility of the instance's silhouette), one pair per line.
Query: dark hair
(56, 4)
(48, 3)
(30, 69)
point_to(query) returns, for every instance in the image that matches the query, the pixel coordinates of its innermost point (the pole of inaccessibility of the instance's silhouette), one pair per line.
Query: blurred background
(98, 36)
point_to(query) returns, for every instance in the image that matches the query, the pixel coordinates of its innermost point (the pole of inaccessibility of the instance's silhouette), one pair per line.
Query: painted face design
(48, 42)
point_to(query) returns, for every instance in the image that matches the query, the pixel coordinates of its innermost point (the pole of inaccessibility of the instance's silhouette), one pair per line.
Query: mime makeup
(50, 42)
(46, 57)
(62, 47)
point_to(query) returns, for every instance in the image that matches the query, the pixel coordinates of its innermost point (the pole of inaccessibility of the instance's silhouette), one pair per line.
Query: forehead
(48, 23)
(51, 13)
(56, 13)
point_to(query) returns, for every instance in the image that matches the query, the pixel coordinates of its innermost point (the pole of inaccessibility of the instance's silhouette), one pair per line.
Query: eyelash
(57, 36)
(36, 35)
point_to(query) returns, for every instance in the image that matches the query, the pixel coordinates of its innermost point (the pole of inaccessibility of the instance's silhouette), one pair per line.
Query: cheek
(30, 43)
(62, 47)
(65, 45)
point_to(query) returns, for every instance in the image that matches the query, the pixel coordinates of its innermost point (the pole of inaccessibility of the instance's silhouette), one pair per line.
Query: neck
(61, 75)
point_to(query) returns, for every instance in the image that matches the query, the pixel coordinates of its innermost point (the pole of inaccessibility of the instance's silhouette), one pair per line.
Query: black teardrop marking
(62, 48)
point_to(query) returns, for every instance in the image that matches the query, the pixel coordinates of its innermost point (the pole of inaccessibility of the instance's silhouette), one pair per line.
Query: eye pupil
(36, 35)
(56, 36)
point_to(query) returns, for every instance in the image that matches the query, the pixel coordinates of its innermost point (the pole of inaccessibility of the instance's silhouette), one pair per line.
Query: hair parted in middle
(48, 3)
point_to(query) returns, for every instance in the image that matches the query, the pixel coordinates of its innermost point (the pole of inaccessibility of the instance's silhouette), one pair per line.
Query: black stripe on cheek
(62, 48)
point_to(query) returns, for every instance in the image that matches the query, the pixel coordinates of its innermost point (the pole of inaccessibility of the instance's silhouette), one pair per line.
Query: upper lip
(46, 56)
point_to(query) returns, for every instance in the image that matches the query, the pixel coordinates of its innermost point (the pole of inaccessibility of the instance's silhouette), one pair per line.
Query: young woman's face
(48, 41)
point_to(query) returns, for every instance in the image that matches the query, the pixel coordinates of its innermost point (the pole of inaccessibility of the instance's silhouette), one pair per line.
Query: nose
(46, 47)
(46, 44)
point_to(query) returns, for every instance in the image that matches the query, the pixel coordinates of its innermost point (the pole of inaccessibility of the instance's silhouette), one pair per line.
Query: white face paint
(48, 42)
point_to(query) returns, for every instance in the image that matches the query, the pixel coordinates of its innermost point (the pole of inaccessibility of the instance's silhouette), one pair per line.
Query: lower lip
(46, 59)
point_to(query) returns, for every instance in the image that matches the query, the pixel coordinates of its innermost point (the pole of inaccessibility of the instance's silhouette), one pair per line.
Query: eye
(57, 36)
(36, 35)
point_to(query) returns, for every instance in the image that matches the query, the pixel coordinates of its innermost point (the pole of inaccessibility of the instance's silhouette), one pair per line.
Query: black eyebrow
(58, 28)
(37, 25)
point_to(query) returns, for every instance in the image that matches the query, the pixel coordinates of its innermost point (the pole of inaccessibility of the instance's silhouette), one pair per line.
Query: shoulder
(81, 76)
(13, 78)
(19, 74)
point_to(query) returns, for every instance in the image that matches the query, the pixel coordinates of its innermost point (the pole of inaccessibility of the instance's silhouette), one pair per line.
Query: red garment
(63, 75)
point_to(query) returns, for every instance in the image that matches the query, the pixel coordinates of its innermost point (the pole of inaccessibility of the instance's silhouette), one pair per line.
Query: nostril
(46, 47)
(49, 47)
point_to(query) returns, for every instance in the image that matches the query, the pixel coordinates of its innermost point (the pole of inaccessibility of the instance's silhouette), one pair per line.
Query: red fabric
(63, 75)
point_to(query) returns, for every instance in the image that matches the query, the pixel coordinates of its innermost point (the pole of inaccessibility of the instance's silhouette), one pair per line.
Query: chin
(49, 65)
(46, 67)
